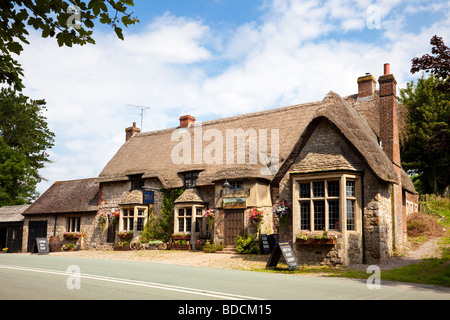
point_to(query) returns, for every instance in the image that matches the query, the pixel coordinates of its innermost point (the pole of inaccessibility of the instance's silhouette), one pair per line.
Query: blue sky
(213, 59)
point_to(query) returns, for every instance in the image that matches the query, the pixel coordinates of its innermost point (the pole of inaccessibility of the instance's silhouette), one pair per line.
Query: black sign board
(273, 239)
(149, 197)
(41, 246)
(264, 244)
(288, 254)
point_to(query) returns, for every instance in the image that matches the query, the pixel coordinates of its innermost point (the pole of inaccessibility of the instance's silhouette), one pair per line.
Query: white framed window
(189, 218)
(326, 202)
(133, 218)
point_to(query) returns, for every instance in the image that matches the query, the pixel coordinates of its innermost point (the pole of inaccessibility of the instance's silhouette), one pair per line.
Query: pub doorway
(36, 229)
(234, 225)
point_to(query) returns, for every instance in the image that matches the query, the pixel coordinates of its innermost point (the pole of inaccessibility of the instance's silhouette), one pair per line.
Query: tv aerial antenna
(142, 112)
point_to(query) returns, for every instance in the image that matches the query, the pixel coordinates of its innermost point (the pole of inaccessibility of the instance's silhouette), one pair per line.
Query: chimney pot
(129, 132)
(387, 68)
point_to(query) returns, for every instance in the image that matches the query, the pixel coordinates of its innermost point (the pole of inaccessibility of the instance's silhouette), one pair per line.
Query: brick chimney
(366, 86)
(129, 132)
(185, 121)
(389, 116)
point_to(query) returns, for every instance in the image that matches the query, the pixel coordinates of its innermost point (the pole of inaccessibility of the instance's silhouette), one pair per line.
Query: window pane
(350, 188)
(180, 224)
(141, 212)
(305, 190)
(237, 185)
(78, 224)
(197, 225)
(188, 224)
(130, 224)
(350, 214)
(125, 225)
(181, 212)
(188, 212)
(199, 212)
(333, 188)
(140, 224)
(333, 214)
(319, 189)
(305, 216)
(319, 215)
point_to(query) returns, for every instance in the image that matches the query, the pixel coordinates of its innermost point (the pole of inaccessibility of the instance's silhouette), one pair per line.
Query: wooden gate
(234, 225)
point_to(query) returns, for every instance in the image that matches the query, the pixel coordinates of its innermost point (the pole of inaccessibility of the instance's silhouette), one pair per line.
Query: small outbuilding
(11, 226)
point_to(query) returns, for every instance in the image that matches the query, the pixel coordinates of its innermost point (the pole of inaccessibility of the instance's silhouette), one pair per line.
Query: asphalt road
(28, 277)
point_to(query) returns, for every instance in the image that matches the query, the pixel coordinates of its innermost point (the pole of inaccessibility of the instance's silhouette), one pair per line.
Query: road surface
(26, 276)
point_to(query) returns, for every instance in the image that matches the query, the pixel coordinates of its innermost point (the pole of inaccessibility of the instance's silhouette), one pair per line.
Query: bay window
(133, 218)
(188, 218)
(326, 202)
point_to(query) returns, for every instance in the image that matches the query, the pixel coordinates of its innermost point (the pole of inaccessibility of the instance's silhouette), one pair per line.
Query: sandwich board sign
(288, 254)
(41, 246)
(265, 245)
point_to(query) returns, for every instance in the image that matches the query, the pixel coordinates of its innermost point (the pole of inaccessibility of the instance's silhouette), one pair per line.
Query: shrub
(212, 247)
(422, 224)
(246, 245)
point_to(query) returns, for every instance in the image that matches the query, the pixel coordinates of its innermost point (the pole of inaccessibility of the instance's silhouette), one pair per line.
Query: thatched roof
(190, 196)
(150, 153)
(74, 196)
(12, 213)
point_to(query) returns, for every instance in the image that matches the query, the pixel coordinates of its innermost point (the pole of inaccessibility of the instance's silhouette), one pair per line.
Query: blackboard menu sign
(264, 244)
(41, 246)
(288, 254)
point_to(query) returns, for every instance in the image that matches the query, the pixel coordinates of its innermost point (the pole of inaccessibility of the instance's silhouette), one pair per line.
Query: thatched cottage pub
(335, 162)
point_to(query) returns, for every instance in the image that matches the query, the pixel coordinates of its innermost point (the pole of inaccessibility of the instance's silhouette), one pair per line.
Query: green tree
(425, 148)
(70, 22)
(17, 179)
(25, 138)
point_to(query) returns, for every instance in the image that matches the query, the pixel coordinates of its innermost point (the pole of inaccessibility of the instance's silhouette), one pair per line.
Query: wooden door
(234, 225)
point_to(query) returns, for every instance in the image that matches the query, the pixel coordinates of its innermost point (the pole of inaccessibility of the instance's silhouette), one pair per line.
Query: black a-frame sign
(288, 254)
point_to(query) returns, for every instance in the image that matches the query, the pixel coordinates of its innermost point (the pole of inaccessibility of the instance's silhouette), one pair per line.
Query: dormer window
(136, 181)
(190, 179)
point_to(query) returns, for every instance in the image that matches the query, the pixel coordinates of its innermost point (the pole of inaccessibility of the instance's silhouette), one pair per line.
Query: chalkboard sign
(273, 239)
(264, 244)
(41, 246)
(288, 254)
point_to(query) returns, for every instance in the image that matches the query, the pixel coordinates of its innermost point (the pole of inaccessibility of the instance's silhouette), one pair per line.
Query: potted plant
(5, 250)
(114, 217)
(102, 219)
(68, 247)
(281, 211)
(256, 216)
(122, 246)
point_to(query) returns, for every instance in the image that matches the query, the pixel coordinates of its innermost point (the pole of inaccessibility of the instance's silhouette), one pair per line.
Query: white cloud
(296, 52)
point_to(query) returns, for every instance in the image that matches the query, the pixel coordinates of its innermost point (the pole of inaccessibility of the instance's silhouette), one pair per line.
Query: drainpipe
(54, 229)
(362, 220)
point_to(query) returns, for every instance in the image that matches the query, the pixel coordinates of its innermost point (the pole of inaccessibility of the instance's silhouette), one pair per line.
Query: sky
(213, 59)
